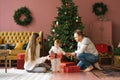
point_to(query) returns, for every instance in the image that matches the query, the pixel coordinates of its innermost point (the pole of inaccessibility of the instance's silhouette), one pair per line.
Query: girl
(57, 51)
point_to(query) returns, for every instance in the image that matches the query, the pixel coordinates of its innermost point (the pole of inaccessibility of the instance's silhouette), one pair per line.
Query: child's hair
(57, 41)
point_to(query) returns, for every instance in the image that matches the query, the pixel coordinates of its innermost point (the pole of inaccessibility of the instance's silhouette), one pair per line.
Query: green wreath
(27, 17)
(99, 9)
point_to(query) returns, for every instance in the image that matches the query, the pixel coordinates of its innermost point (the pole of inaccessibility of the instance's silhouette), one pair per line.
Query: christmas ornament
(71, 47)
(77, 19)
(48, 39)
(53, 30)
(65, 13)
(57, 35)
(57, 23)
(53, 39)
(67, 4)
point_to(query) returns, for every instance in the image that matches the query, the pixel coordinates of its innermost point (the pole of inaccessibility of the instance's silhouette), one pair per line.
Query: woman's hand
(48, 57)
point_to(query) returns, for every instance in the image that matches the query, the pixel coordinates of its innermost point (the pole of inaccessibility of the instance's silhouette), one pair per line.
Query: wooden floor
(79, 76)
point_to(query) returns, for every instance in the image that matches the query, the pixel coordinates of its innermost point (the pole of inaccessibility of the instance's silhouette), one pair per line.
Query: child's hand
(52, 56)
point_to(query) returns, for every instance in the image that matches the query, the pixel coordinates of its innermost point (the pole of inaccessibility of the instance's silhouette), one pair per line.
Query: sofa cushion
(10, 46)
(1, 47)
(24, 46)
(19, 46)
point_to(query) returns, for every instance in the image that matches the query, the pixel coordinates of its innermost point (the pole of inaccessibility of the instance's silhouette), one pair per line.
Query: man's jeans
(86, 59)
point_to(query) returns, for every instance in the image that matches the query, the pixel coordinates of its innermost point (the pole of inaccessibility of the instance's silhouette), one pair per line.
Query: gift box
(73, 68)
(20, 64)
(20, 56)
(53, 55)
(63, 65)
(103, 48)
(20, 60)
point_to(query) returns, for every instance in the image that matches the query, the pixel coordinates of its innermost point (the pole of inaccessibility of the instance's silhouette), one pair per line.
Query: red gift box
(20, 60)
(70, 69)
(52, 55)
(103, 48)
(20, 64)
(20, 56)
(63, 65)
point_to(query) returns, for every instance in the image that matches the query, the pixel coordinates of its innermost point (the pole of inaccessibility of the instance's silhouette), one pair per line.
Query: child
(57, 51)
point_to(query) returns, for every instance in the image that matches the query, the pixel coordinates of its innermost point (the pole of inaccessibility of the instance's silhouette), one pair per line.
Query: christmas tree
(64, 26)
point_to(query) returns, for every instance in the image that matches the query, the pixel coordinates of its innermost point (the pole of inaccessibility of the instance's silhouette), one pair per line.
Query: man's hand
(73, 54)
(68, 54)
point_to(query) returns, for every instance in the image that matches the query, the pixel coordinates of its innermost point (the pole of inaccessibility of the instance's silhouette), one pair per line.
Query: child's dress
(56, 61)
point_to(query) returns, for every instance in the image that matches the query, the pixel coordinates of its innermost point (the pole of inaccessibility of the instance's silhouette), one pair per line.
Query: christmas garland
(22, 11)
(99, 9)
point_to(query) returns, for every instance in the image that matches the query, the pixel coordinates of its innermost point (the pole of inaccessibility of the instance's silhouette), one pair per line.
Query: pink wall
(43, 13)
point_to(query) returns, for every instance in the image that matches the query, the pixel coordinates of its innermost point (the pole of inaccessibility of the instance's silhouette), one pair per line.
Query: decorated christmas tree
(64, 26)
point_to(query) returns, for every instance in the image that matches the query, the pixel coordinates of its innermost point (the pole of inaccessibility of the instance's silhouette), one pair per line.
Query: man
(86, 52)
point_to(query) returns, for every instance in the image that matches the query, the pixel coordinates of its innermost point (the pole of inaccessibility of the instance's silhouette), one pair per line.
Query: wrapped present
(20, 60)
(20, 56)
(20, 64)
(103, 48)
(70, 69)
(63, 65)
(53, 55)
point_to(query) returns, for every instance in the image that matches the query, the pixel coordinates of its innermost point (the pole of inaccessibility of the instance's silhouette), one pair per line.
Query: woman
(86, 52)
(33, 61)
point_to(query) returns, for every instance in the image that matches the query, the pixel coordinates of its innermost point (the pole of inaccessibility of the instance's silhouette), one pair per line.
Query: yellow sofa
(15, 38)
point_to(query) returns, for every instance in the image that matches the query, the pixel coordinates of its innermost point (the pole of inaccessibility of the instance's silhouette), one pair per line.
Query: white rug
(17, 74)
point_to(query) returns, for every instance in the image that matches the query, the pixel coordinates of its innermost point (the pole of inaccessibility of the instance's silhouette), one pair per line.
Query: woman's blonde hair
(32, 46)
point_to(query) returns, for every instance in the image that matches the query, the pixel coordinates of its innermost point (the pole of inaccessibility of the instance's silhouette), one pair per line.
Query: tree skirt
(17, 74)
